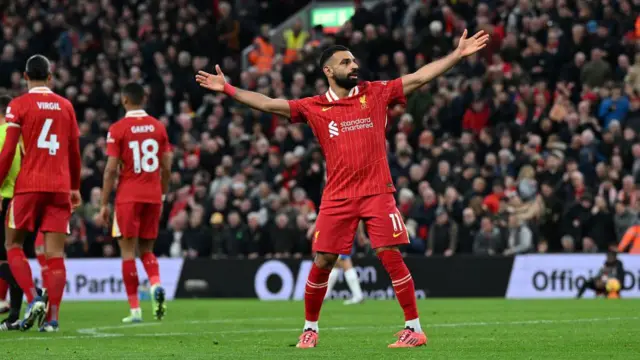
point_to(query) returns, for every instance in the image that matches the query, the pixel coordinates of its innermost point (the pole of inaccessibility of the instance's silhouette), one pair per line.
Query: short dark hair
(4, 103)
(38, 68)
(134, 92)
(328, 53)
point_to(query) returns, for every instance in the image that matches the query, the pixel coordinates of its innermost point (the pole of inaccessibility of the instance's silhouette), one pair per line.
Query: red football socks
(22, 272)
(314, 292)
(151, 267)
(402, 282)
(4, 289)
(131, 282)
(42, 260)
(56, 281)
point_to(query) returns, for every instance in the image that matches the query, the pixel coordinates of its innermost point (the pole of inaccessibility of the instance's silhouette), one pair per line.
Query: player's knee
(385, 248)
(325, 260)
(145, 246)
(127, 248)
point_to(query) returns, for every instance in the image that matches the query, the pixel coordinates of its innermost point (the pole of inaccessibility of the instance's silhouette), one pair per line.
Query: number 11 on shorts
(398, 225)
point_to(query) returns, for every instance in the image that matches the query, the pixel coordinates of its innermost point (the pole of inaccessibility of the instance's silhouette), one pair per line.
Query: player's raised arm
(466, 47)
(216, 82)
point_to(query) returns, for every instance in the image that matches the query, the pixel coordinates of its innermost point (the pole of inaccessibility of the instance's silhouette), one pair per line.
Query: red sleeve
(13, 113)
(392, 91)
(297, 109)
(75, 161)
(113, 142)
(8, 150)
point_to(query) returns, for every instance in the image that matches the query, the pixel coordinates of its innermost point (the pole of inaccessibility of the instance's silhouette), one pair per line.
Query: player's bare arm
(75, 167)
(466, 47)
(165, 171)
(216, 82)
(108, 183)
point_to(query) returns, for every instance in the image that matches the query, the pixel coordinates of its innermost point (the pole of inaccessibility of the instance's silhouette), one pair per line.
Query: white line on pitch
(87, 334)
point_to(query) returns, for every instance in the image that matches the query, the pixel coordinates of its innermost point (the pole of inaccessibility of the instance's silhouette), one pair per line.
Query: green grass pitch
(247, 329)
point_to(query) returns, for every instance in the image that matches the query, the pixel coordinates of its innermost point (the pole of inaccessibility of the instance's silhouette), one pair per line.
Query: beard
(346, 82)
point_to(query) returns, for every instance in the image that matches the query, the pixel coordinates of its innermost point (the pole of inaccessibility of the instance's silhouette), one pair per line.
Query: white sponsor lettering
(292, 286)
(48, 106)
(560, 276)
(142, 129)
(110, 140)
(101, 279)
(358, 124)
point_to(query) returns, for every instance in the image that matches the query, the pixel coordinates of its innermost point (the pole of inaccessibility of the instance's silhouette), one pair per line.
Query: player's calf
(404, 288)
(130, 279)
(152, 268)
(56, 273)
(314, 293)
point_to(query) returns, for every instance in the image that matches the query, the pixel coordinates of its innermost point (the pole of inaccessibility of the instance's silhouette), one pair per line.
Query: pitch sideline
(95, 333)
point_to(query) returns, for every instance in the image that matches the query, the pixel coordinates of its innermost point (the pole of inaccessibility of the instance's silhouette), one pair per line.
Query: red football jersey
(139, 141)
(48, 128)
(351, 132)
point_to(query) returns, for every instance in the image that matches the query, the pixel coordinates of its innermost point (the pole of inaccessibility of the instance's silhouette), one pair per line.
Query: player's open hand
(210, 81)
(76, 199)
(470, 46)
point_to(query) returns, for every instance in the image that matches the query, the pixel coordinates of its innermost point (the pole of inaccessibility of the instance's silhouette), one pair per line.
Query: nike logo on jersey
(395, 235)
(326, 108)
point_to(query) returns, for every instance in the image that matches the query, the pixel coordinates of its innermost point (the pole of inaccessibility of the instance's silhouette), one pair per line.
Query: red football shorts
(51, 211)
(338, 221)
(137, 220)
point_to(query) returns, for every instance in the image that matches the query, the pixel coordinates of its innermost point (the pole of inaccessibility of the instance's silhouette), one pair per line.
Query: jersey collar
(136, 113)
(331, 95)
(40, 90)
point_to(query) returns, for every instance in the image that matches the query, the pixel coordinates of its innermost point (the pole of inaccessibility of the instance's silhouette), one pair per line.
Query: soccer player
(350, 275)
(47, 188)
(139, 143)
(349, 121)
(6, 192)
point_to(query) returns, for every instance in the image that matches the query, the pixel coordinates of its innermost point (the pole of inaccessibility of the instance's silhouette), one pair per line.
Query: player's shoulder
(377, 85)
(310, 100)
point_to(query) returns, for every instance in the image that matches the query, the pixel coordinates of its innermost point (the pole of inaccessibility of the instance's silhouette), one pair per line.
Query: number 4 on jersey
(52, 144)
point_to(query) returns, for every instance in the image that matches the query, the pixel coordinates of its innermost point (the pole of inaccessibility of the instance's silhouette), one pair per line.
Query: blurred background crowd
(532, 146)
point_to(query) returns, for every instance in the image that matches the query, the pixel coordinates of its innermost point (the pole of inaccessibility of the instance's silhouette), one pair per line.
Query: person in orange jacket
(631, 240)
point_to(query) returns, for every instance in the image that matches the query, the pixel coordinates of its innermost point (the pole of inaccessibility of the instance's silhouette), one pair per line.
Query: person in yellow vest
(262, 55)
(12, 322)
(295, 38)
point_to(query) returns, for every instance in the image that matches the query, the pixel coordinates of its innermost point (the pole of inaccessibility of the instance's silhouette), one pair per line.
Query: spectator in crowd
(544, 122)
(443, 235)
(623, 219)
(519, 237)
(488, 240)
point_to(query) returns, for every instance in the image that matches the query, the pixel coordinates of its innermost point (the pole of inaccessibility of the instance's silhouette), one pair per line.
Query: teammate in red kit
(349, 122)
(46, 189)
(140, 145)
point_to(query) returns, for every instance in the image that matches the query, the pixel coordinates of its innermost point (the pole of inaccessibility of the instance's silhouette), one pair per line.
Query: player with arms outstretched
(140, 145)
(47, 188)
(349, 121)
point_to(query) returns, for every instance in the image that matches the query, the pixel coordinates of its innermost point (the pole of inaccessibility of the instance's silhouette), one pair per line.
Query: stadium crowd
(533, 146)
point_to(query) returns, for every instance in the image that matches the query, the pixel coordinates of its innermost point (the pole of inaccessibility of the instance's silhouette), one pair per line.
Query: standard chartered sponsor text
(357, 124)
